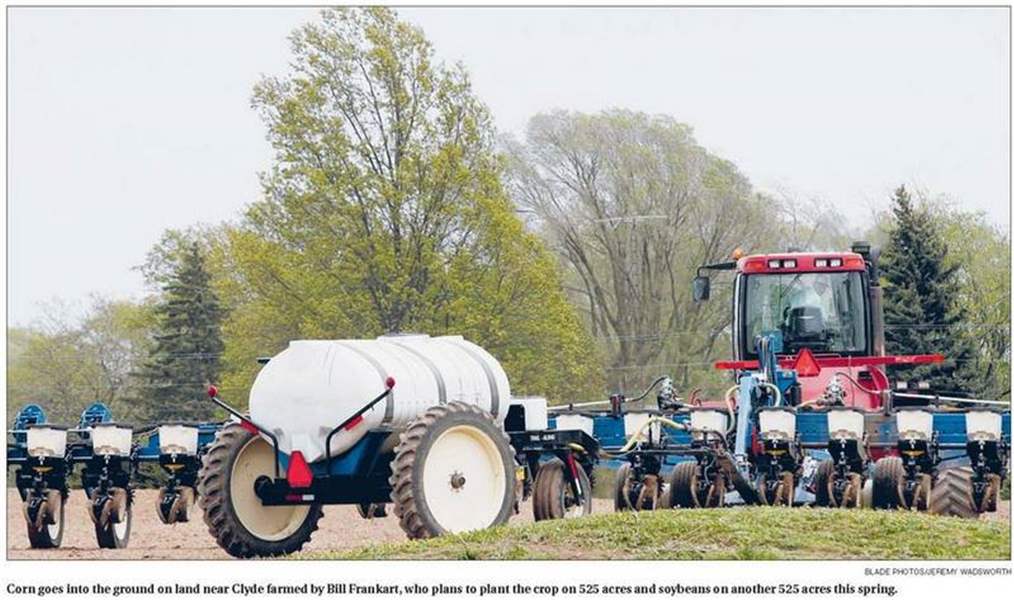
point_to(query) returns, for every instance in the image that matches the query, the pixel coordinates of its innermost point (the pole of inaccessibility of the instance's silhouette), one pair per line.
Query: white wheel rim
(54, 529)
(270, 523)
(464, 479)
(120, 529)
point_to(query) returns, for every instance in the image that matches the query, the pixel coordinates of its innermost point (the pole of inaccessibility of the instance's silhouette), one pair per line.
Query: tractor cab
(811, 320)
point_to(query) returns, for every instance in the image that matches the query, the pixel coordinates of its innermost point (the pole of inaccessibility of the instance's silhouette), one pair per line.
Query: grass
(722, 534)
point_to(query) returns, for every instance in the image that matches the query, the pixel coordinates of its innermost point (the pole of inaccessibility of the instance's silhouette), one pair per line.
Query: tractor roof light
(983, 425)
(834, 262)
(177, 438)
(789, 263)
(845, 423)
(774, 263)
(854, 262)
(44, 440)
(777, 423)
(755, 265)
(111, 439)
(914, 424)
(820, 263)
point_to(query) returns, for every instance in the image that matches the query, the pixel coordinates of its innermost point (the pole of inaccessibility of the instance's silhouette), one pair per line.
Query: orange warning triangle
(806, 365)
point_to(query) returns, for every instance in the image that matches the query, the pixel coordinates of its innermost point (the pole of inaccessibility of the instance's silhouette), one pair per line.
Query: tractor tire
(235, 516)
(781, 493)
(866, 495)
(683, 486)
(888, 483)
(922, 500)
(822, 483)
(174, 506)
(992, 494)
(952, 494)
(113, 520)
(372, 510)
(47, 530)
(453, 471)
(551, 493)
(621, 500)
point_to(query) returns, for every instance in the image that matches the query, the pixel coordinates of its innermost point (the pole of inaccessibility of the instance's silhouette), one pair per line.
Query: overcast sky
(126, 121)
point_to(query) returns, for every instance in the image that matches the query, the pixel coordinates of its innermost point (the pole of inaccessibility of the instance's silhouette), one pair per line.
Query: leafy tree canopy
(384, 213)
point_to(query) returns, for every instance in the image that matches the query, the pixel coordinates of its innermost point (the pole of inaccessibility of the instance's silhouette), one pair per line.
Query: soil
(341, 529)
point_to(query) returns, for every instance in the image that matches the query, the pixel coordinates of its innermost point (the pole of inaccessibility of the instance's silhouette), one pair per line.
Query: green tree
(921, 310)
(981, 256)
(64, 363)
(384, 212)
(186, 352)
(632, 205)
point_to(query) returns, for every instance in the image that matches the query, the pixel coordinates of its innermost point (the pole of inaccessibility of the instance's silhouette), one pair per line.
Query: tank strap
(494, 391)
(389, 402)
(441, 388)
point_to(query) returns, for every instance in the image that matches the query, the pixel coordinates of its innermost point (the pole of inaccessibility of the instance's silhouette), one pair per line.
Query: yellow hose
(636, 437)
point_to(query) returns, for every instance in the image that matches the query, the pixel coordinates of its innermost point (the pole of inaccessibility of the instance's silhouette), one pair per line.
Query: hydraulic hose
(634, 439)
(728, 402)
(778, 392)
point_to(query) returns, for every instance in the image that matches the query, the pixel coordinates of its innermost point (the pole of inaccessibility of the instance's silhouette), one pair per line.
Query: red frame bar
(839, 361)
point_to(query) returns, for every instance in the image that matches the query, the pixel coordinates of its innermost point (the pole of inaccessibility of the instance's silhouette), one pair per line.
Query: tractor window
(825, 312)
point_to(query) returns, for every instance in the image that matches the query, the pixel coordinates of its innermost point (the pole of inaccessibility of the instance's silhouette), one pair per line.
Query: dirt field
(340, 529)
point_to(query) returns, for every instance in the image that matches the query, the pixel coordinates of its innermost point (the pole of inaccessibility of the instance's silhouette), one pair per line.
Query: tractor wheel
(235, 516)
(853, 494)
(553, 497)
(866, 495)
(113, 519)
(173, 506)
(922, 499)
(372, 510)
(778, 492)
(952, 494)
(46, 531)
(453, 471)
(888, 483)
(621, 489)
(823, 483)
(991, 494)
(683, 484)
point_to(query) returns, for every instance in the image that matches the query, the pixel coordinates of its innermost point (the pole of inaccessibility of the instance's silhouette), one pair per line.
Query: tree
(64, 363)
(384, 212)
(980, 254)
(186, 352)
(921, 310)
(632, 205)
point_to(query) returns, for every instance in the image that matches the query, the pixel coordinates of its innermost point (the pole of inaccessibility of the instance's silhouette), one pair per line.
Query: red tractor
(813, 406)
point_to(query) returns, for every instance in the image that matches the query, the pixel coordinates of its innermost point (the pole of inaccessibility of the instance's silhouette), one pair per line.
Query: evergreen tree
(921, 312)
(185, 355)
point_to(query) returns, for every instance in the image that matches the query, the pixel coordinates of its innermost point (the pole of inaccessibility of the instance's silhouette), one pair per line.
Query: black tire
(952, 494)
(888, 482)
(408, 495)
(620, 501)
(174, 507)
(372, 510)
(49, 533)
(112, 531)
(822, 482)
(224, 517)
(683, 486)
(551, 491)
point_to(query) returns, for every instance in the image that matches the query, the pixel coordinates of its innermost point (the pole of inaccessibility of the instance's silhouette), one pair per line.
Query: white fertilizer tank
(306, 390)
